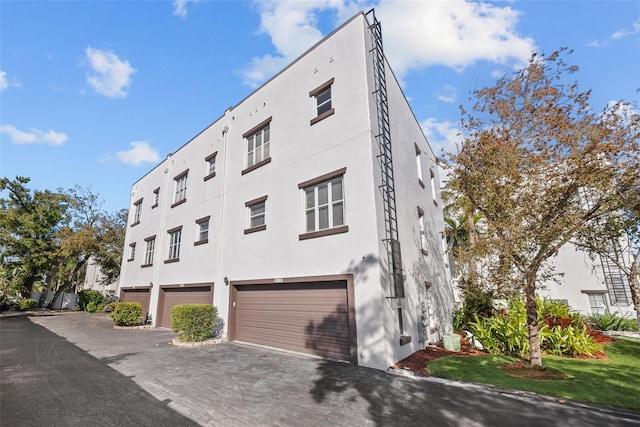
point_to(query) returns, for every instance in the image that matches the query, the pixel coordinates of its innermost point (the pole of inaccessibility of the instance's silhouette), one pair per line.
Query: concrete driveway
(235, 385)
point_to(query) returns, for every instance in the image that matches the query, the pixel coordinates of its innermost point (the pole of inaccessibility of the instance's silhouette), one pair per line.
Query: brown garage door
(136, 295)
(170, 296)
(306, 317)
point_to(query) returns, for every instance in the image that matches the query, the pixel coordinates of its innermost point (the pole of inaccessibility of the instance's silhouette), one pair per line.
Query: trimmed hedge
(193, 322)
(91, 301)
(127, 313)
(26, 304)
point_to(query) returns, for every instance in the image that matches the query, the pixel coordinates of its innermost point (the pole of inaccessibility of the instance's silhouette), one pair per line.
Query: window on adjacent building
(132, 251)
(423, 231)
(257, 214)
(322, 99)
(203, 231)
(156, 197)
(137, 210)
(175, 236)
(211, 166)
(149, 250)
(180, 183)
(598, 303)
(324, 210)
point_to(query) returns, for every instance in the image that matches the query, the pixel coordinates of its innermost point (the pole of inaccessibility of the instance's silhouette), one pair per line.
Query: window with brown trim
(423, 231)
(137, 211)
(156, 197)
(180, 188)
(258, 145)
(203, 231)
(132, 251)
(324, 209)
(419, 165)
(257, 214)
(175, 237)
(433, 187)
(211, 166)
(149, 251)
(323, 101)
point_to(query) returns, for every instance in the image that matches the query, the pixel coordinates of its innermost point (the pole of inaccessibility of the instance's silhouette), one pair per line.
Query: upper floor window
(423, 231)
(211, 166)
(258, 145)
(149, 250)
(323, 103)
(156, 197)
(175, 237)
(180, 183)
(257, 214)
(419, 165)
(324, 209)
(137, 210)
(203, 231)
(433, 187)
(132, 252)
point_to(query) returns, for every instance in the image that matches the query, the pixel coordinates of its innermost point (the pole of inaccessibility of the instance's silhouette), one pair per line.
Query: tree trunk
(532, 320)
(635, 289)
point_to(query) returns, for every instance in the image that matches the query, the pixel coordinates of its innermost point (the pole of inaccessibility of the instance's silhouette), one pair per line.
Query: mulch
(419, 360)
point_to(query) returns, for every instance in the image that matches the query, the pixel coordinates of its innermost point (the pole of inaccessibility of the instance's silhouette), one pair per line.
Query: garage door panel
(185, 295)
(304, 317)
(137, 295)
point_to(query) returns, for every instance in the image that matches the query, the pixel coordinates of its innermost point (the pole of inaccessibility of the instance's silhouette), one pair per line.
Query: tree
(110, 244)
(534, 153)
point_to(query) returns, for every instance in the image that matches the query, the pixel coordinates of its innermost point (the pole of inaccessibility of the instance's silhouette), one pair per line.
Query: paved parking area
(235, 385)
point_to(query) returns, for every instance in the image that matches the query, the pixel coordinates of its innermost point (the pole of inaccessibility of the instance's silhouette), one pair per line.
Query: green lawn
(614, 382)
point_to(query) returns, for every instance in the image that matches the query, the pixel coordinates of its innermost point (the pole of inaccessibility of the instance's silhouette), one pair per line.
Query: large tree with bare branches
(541, 167)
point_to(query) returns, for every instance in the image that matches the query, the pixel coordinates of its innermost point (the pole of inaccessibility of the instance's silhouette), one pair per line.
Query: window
(598, 303)
(156, 197)
(132, 252)
(211, 166)
(137, 210)
(180, 188)
(149, 251)
(203, 231)
(257, 212)
(323, 104)
(258, 145)
(324, 211)
(433, 187)
(419, 165)
(423, 232)
(175, 236)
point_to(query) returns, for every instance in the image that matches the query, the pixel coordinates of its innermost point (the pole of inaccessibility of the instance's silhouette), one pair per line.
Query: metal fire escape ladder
(615, 279)
(385, 159)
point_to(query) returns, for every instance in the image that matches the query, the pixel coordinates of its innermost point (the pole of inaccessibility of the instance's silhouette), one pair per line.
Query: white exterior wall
(93, 280)
(299, 152)
(580, 274)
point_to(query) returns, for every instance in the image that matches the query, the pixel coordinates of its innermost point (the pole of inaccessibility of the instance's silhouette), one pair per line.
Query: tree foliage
(540, 166)
(47, 237)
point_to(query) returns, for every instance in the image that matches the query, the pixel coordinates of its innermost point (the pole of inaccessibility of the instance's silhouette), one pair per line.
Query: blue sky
(96, 93)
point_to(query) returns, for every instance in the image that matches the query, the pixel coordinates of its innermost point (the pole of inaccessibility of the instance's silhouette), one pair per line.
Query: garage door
(136, 295)
(305, 317)
(170, 296)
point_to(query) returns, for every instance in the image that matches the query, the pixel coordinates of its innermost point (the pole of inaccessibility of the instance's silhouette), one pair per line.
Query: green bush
(27, 304)
(127, 313)
(194, 322)
(561, 332)
(612, 322)
(86, 297)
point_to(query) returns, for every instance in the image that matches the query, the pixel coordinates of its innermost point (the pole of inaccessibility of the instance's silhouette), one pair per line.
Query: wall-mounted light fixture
(151, 284)
(226, 281)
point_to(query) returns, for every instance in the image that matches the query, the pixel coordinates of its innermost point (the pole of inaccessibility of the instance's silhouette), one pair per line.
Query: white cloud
(140, 152)
(33, 136)
(110, 75)
(3, 80)
(442, 135)
(620, 34)
(455, 33)
(448, 94)
(180, 7)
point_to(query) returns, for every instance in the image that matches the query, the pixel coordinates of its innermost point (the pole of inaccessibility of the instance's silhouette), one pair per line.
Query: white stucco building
(308, 214)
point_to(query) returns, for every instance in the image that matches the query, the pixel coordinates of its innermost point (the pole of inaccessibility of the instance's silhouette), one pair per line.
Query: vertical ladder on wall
(615, 280)
(385, 158)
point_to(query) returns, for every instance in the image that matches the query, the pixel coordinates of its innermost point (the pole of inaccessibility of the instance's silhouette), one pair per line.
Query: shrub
(561, 332)
(612, 322)
(27, 304)
(194, 322)
(127, 313)
(86, 297)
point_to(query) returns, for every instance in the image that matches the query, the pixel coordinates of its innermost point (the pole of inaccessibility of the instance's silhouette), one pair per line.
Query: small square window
(202, 230)
(322, 101)
(257, 215)
(210, 161)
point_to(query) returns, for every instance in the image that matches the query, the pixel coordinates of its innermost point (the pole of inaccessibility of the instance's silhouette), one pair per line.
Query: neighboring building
(590, 286)
(94, 280)
(307, 214)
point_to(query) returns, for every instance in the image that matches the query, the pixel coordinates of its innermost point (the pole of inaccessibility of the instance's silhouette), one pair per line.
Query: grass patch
(613, 382)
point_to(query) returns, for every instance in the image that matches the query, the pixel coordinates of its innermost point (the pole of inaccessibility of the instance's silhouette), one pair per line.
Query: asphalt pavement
(77, 370)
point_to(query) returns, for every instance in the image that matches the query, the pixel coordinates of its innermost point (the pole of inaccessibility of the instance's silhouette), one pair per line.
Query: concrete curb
(182, 344)
(132, 328)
